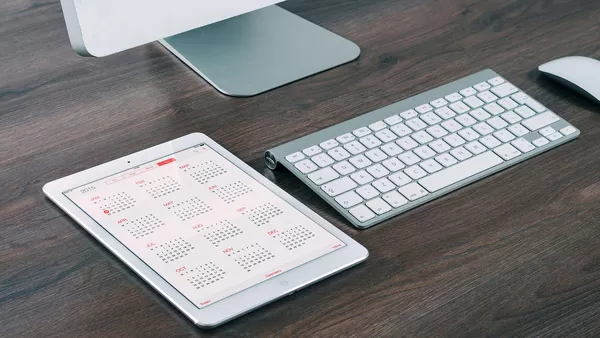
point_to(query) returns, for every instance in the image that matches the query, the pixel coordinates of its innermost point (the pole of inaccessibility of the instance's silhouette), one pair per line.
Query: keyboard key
(329, 144)
(446, 160)
(459, 107)
(400, 179)
(568, 130)
(339, 186)
(496, 81)
(524, 112)
(468, 134)
(407, 143)
(413, 191)
(344, 168)
(392, 120)
(323, 176)
(394, 199)
(379, 206)
(461, 153)
(483, 128)
(439, 146)
(497, 122)
(370, 141)
(424, 108)
(415, 172)
(490, 141)
(542, 141)
(487, 96)
(310, 151)
(345, 138)
(507, 103)
(376, 155)
(416, 124)
(511, 117)
(391, 149)
(504, 89)
(504, 135)
(437, 131)
(482, 86)
(430, 166)
(453, 97)
(454, 140)
(438, 103)
(393, 164)
(494, 109)
(468, 91)
(322, 160)
(409, 158)
(360, 132)
(523, 145)
(431, 118)
(354, 147)
(362, 177)
(378, 126)
(466, 120)
(523, 98)
(409, 114)
(451, 125)
(445, 113)
(461, 171)
(338, 154)
(507, 151)
(475, 147)
(473, 102)
(401, 129)
(360, 161)
(518, 130)
(422, 137)
(349, 199)
(547, 131)
(295, 157)
(554, 136)
(378, 171)
(424, 152)
(480, 114)
(306, 166)
(540, 121)
(362, 213)
(386, 135)
(367, 192)
(383, 185)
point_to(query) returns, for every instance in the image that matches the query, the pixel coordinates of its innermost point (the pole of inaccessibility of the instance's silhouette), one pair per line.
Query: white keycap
(430, 166)
(348, 199)
(487, 96)
(310, 151)
(468, 134)
(416, 124)
(475, 147)
(518, 130)
(482, 86)
(424, 108)
(507, 103)
(511, 117)
(507, 152)
(504, 89)
(523, 145)
(409, 158)
(504, 135)
(523, 98)
(554, 136)
(547, 131)
(438, 103)
(424, 152)
(466, 120)
(568, 130)
(480, 114)
(413, 191)
(383, 185)
(490, 141)
(370, 141)
(460, 153)
(524, 111)
(401, 129)
(367, 192)
(415, 172)
(446, 160)
(386, 135)
(354, 147)
(362, 213)
(360, 161)
(409, 114)
(407, 143)
(496, 81)
(306, 166)
(453, 97)
(431, 118)
(339, 186)
(459, 107)
(494, 108)
(378, 171)
(422, 137)
(376, 155)
(497, 122)
(329, 144)
(394, 119)
(323, 176)
(391, 149)
(445, 113)
(483, 128)
(322, 160)
(361, 177)
(468, 91)
(345, 138)
(338, 153)
(394, 199)
(295, 157)
(454, 140)
(379, 206)
(451, 125)
(542, 141)
(393, 164)
(360, 132)
(437, 131)
(439, 146)
(461, 171)
(399, 179)
(540, 121)
(344, 168)
(377, 126)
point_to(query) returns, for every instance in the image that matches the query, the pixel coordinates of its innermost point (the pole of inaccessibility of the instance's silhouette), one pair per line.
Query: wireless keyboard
(393, 159)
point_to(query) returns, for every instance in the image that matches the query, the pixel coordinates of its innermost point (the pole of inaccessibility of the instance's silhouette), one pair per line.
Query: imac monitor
(241, 47)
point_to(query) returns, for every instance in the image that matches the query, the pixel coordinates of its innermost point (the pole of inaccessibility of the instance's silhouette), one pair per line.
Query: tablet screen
(208, 228)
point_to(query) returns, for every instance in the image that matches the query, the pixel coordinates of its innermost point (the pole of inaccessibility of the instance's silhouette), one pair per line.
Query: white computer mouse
(577, 72)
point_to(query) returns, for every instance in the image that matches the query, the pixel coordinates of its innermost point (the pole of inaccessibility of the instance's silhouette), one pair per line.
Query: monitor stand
(261, 50)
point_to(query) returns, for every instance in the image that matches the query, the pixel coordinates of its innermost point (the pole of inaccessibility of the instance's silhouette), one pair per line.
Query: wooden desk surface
(514, 254)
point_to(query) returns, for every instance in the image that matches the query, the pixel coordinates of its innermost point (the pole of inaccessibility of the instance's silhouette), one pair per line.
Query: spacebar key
(461, 171)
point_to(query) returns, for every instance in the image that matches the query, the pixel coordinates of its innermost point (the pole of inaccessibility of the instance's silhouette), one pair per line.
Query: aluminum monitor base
(259, 51)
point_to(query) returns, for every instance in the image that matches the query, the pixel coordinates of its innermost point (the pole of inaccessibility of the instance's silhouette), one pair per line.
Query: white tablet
(213, 236)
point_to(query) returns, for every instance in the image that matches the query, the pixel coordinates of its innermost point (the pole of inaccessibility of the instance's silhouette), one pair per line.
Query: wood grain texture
(516, 254)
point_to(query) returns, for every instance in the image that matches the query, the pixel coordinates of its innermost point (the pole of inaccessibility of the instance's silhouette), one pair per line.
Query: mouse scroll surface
(581, 73)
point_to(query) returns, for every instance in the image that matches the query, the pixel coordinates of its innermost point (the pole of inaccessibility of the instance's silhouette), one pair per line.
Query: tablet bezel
(236, 304)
